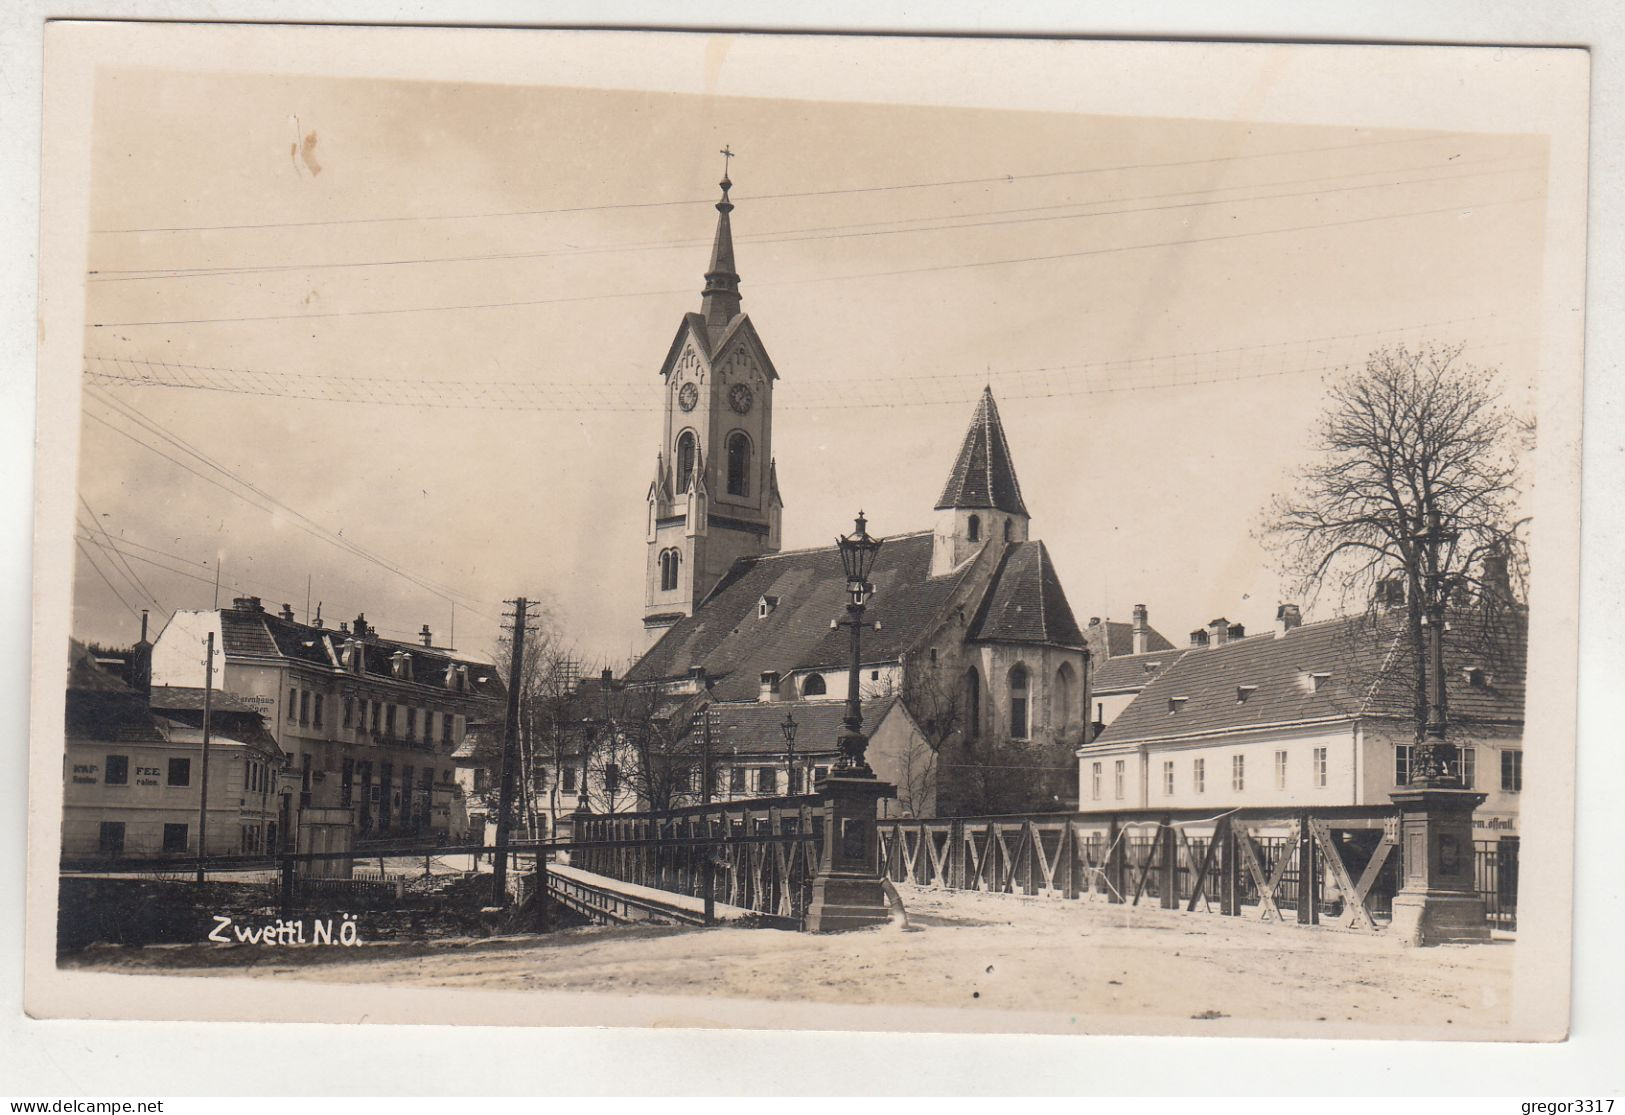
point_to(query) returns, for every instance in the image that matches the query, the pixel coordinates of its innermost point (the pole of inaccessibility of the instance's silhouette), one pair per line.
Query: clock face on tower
(740, 398)
(687, 396)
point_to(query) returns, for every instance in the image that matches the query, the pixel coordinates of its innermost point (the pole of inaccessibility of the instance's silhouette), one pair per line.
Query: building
(1319, 714)
(369, 724)
(133, 770)
(1125, 657)
(975, 640)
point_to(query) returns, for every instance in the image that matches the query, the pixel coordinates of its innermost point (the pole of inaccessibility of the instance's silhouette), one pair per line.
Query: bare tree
(1413, 433)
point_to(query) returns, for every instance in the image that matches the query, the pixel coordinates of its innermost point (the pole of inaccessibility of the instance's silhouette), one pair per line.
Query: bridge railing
(1339, 862)
(759, 854)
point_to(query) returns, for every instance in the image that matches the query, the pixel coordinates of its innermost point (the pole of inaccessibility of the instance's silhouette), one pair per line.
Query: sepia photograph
(807, 532)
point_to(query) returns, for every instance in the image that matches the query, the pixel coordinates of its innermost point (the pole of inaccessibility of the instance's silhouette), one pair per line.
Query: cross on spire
(727, 153)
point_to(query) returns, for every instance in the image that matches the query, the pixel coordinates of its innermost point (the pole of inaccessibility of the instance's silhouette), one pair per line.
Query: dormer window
(765, 606)
(1176, 704)
(1477, 677)
(401, 665)
(1313, 680)
(1243, 692)
(1152, 667)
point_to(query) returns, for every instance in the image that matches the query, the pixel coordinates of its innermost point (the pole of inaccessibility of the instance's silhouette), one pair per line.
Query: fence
(758, 855)
(1249, 857)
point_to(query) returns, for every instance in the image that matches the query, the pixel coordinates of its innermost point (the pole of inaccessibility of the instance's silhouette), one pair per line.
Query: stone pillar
(848, 892)
(1438, 900)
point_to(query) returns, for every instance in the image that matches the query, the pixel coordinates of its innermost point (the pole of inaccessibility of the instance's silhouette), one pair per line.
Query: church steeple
(981, 502)
(720, 302)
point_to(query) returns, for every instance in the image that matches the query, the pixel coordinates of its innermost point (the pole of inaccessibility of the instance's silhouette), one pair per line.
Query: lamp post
(848, 891)
(587, 732)
(858, 553)
(1438, 899)
(789, 729)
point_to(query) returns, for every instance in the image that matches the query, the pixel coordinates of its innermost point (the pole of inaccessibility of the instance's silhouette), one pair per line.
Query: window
(1094, 782)
(813, 686)
(428, 725)
(317, 718)
(349, 711)
(1280, 770)
(180, 772)
(973, 703)
(612, 779)
(973, 528)
(767, 780)
(377, 712)
(820, 773)
(446, 727)
(1320, 766)
(411, 723)
(1168, 776)
(738, 464)
(1199, 775)
(482, 780)
(389, 720)
(111, 839)
(293, 705)
(175, 838)
(1061, 711)
(685, 461)
(304, 707)
(1117, 780)
(1512, 770)
(538, 778)
(347, 782)
(796, 780)
(1238, 772)
(117, 772)
(671, 563)
(1469, 767)
(1018, 702)
(736, 780)
(569, 780)
(1402, 765)
(1007, 534)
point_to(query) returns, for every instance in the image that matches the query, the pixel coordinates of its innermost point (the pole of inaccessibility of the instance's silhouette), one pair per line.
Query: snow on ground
(981, 951)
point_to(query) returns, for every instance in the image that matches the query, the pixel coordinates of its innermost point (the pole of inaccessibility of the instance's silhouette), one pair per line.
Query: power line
(1015, 383)
(128, 572)
(276, 507)
(132, 610)
(957, 221)
(1001, 179)
(929, 269)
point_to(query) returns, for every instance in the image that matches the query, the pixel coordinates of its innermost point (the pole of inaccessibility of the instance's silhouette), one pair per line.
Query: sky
(1155, 303)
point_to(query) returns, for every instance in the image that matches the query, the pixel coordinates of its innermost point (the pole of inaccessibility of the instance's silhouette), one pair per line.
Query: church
(976, 678)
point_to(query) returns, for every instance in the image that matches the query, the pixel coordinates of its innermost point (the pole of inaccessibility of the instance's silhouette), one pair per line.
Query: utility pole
(203, 795)
(705, 744)
(509, 734)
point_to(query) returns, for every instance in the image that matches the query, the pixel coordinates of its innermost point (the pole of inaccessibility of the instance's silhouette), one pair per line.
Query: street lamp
(789, 729)
(587, 733)
(858, 552)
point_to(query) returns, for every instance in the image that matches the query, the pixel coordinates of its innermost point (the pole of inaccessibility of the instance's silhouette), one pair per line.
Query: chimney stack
(140, 674)
(426, 635)
(1142, 629)
(247, 604)
(287, 612)
(1287, 617)
(1218, 630)
(1497, 579)
(769, 691)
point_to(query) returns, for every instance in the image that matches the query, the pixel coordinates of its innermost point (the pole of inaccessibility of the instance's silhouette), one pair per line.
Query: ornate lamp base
(1438, 901)
(849, 892)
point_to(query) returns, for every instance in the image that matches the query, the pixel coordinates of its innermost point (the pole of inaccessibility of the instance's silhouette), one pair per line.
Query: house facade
(369, 724)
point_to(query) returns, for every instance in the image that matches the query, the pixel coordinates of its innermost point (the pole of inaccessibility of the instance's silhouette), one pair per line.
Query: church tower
(715, 494)
(982, 499)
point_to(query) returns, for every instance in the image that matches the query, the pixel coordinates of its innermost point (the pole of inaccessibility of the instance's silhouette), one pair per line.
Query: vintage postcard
(812, 532)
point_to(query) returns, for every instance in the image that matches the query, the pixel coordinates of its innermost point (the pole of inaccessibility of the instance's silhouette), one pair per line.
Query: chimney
(1287, 617)
(287, 612)
(247, 604)
(426, 636)
(769, 691)
(317, 622)
(344, 627)
(1218, 630)
(1142, 629)
(141, 662)
(1497, 579)
(359, 628)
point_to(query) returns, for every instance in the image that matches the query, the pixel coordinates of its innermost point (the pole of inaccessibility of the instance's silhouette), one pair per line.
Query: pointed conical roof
(983, 474)
(720, 302)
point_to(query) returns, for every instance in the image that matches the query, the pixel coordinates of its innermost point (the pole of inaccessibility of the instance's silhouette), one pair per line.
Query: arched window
(1018, 702)
(1062, 698)
(1007, 530)
(973, 704)
(738, 464)
(973, 529)
(670, 563)
(813, 686)
(685, 460)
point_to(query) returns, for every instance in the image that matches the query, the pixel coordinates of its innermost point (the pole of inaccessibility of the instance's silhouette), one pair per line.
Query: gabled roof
(755, 727)
(1129, 673)
(1112, 639)
(1337, 669)
(1027, 604)
(101, 707)
(736, 645)
(173, 698)
(983, 474)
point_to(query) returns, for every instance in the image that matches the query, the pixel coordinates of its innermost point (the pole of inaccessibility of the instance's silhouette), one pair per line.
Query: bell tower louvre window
(685, 461)
(738, 464)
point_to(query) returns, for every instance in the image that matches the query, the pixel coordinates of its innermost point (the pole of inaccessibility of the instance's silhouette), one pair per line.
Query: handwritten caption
(283, 932)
